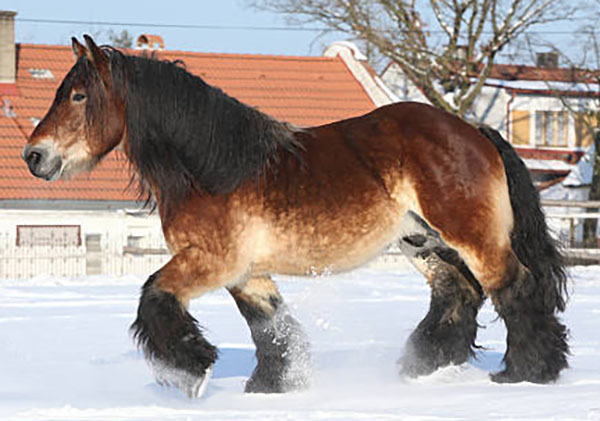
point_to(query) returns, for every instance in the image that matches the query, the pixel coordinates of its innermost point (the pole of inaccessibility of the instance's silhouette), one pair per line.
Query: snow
(547, 165)
(66, 354)
(543, 85)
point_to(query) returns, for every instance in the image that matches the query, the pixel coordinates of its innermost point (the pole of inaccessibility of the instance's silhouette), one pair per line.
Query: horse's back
(409, 142)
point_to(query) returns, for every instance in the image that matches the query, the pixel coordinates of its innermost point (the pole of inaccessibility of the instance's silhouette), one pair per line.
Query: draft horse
(242, 196)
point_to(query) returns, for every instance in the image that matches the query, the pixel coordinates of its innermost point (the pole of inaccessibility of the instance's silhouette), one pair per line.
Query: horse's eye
(77, 97)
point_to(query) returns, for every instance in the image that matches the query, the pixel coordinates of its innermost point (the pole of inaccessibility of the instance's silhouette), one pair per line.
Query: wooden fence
(588, 210)
(25, 262)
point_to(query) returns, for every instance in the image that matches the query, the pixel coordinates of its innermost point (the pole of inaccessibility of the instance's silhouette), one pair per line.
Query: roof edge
(353, 58)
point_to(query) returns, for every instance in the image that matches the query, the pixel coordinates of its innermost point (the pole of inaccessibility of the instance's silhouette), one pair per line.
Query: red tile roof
(305, 91)
(522, 72)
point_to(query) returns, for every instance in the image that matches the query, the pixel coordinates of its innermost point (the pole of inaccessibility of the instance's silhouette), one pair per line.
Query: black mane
(186, 135)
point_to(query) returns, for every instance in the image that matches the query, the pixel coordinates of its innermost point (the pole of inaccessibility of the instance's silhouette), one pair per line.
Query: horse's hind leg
(447, 333)
(526, 301)
(282, 350)
(536, 341)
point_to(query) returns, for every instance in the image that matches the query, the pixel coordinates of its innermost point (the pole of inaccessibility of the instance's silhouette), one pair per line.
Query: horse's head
(84, 123)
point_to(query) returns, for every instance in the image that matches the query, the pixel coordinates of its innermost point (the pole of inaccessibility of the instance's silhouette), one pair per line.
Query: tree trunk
(589, 225)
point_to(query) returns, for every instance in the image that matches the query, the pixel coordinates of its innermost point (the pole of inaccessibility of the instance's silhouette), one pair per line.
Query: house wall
(401, 86)
(490, 108)
(524, 107)
(110, 243)
(512, 114)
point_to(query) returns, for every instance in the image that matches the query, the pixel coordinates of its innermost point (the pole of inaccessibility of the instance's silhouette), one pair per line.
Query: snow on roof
(547, 165)
(540, 85)
(337, 46)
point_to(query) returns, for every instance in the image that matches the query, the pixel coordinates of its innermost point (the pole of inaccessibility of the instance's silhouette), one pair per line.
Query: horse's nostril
(34, 158)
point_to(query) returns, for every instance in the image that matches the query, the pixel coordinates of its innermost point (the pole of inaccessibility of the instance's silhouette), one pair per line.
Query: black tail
(531, 240)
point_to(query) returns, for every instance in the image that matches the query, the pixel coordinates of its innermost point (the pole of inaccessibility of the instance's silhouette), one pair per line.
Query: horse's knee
(194, 272)
(257, 298)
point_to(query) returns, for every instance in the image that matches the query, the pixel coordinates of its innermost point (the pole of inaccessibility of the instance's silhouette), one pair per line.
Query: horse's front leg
(282, 349)
(167, 333)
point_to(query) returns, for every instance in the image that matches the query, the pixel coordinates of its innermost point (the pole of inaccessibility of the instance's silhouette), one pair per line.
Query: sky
(223, 22)
(223, 13)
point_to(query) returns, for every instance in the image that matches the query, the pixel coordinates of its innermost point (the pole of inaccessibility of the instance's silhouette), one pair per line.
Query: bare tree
(122, 40)
(445, 47)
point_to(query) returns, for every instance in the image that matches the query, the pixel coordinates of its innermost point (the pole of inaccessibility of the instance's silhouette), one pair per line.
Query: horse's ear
(78, 49)
(99, 58)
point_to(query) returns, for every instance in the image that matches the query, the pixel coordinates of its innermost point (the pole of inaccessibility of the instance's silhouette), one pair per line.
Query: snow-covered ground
(65, 354)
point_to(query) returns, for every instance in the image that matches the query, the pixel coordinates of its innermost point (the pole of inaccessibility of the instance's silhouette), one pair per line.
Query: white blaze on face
(76, 158)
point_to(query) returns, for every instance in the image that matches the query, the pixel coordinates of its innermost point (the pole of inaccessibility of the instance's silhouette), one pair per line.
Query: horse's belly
(329, 245)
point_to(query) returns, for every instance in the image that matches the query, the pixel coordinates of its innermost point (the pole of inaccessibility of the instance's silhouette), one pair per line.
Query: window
(48, 235)
(520, 127)
(551, 128)
(135, 241)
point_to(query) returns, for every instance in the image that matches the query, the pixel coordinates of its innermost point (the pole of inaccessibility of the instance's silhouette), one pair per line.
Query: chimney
(547, 60)
(7, 47)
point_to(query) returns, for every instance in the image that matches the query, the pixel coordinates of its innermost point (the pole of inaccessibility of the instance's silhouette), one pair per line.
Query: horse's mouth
(55, 172)
(51, 170)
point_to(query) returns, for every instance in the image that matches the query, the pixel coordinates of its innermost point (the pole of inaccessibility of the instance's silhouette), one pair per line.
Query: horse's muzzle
(42, 163)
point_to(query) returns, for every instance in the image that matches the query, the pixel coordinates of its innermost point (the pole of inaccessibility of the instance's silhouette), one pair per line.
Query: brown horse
(242, 196)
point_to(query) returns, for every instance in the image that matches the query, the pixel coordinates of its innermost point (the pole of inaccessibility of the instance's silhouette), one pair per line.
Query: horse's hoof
(506, 376)
(192, 385)
(258, 385)
(415, 368)
(198, 387)
(263, 381)
(253, 386)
